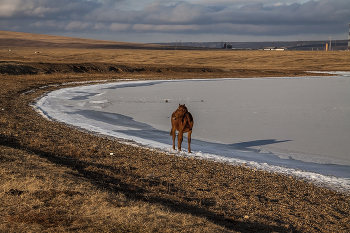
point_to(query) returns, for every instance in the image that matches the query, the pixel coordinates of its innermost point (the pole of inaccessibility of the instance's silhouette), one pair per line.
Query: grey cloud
(307, 13)
(309, 17)
(44, 9)
(181, 13)
(105, 16)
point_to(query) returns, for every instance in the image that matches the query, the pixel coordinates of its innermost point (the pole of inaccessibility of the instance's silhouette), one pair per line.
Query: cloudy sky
(151, 21)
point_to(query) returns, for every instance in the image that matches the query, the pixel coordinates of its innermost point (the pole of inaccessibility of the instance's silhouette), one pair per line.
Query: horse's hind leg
(189, 140)
(173, 134)
(179, 140)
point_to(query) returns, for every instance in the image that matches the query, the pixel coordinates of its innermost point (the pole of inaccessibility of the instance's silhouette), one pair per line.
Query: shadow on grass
(136, 192)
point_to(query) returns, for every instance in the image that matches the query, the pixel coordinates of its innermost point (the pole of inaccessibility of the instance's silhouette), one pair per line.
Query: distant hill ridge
(21, 39)
(290, 45)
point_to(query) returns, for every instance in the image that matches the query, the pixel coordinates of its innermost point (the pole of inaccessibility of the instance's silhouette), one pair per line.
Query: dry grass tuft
(49, 219)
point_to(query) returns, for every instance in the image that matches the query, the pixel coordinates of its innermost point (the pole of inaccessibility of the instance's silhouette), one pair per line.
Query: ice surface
(294, 126)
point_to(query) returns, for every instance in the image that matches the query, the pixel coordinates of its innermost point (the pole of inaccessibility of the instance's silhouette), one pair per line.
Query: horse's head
(182, 108)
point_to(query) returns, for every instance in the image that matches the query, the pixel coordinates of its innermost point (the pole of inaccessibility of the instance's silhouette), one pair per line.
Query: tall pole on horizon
(330, 43)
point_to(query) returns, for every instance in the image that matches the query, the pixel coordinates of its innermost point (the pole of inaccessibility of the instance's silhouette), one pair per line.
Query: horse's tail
(188, 118)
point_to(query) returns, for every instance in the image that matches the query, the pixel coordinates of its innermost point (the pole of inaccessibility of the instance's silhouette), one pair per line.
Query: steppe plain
(55, 178)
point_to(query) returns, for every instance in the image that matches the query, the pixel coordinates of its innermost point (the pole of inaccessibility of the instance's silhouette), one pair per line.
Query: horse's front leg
(179, 139)
(189, 140)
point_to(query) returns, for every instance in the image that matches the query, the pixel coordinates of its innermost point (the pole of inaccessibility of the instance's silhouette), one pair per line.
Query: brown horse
(182, 121)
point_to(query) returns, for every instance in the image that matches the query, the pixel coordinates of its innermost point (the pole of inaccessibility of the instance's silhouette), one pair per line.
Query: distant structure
(273, 49)
(227, 46)
(349, 38)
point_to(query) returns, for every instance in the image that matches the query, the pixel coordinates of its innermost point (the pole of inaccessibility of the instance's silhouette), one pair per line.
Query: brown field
(55, 178)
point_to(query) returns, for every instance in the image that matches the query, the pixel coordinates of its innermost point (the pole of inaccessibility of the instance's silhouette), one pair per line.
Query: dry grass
(39, 195)
(74, 51)
(13, 39)
(218, 59)
(55, 178)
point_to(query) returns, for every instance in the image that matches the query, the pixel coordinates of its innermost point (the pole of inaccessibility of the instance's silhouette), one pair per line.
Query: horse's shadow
(257, 143)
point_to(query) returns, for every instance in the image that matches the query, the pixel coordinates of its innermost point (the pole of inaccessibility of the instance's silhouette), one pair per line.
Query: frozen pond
(297, 126)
